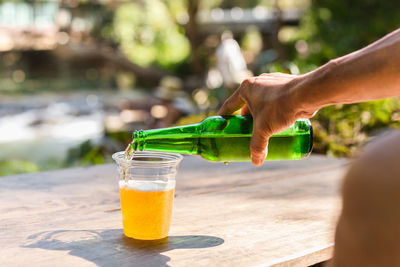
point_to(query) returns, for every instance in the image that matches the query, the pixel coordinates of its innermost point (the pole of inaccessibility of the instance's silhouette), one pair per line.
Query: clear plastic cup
(147, 186)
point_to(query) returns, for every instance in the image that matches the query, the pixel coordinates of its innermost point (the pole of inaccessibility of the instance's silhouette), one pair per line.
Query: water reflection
(48, 124)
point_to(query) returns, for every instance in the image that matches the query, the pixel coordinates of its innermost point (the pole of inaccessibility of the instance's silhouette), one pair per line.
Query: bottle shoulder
(227, 118)
(227, 124)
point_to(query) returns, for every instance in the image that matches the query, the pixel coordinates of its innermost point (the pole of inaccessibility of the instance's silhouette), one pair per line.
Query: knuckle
(245, 82)
(249, 82)
(247, 92)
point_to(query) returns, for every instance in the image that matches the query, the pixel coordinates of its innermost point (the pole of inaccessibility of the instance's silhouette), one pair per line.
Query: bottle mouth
(148, 159)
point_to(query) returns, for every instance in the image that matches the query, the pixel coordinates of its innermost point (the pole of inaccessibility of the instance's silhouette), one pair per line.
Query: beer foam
(147, 186)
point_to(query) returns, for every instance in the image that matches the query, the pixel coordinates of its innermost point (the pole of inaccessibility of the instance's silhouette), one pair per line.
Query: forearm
(367, 74)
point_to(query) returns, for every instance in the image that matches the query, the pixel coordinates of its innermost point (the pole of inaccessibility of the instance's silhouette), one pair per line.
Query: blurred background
(78, 76)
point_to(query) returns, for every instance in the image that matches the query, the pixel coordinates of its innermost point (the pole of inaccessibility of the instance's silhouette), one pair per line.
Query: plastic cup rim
(165, 158)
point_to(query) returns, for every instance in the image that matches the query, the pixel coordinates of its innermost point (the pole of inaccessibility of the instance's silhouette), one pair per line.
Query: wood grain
(281, 214)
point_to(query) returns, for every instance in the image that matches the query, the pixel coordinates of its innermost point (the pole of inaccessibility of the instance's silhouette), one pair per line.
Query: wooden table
(281, 214)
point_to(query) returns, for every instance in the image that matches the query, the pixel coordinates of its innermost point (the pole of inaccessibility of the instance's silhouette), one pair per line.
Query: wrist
(302, 104)
(317, 89)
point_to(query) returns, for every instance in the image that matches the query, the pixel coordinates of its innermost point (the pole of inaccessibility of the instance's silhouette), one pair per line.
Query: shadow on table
(112, 248)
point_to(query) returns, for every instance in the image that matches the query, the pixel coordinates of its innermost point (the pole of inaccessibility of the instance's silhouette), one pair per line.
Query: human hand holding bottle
(269, 98)
(276, 100)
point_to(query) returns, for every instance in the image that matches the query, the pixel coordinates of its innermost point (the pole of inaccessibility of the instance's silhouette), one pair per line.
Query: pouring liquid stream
(128, 155)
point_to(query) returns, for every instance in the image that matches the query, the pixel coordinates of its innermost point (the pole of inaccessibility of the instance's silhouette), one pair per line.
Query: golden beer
(146, 208)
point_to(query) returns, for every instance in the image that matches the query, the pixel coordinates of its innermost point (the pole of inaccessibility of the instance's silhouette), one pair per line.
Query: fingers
(258, 145)
(233, 103)
(237, 99)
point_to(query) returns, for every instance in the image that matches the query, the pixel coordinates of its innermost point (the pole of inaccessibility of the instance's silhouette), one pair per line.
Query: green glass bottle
(225, 138)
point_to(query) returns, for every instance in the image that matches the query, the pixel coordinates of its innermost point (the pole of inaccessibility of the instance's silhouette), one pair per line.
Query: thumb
(245, 110)
(258, 146)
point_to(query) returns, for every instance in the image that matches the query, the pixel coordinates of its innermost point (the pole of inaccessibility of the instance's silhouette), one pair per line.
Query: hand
(270, 99)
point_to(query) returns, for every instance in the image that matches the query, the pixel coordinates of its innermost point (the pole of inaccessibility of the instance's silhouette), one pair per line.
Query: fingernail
(257, 161)
(260, 159)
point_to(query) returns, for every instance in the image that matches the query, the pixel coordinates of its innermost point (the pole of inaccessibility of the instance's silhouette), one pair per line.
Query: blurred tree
(147, 34)
(192, 31)
(147, 38)
(166, 33)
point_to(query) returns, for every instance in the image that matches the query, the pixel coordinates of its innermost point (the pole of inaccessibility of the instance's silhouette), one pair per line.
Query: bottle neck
(180, 139)
(138, 140)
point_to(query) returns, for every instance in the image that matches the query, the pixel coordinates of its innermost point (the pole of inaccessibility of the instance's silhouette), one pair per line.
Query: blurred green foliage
(340, 130)
(330, 29)
(85, 154)
(16, 166)
(334, 28)
(149, 34)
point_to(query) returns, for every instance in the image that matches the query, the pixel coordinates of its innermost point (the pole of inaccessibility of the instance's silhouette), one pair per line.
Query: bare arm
(276, 100)
(367, 74)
